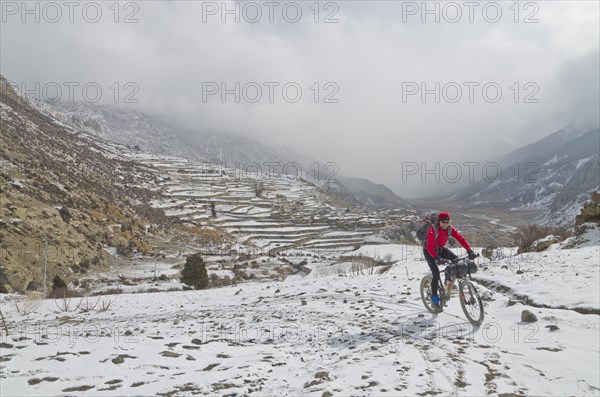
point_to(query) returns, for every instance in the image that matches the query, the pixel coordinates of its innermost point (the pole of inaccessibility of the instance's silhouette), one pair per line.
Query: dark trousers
(444, 253)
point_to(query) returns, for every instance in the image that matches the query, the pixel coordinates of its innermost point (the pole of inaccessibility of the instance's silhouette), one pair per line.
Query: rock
(543, 243)
(118, 360)
(552, 327)
(511, 302)
(304, 302)
(65, 214)
(528, 317)
(170, 354)
(487, 252)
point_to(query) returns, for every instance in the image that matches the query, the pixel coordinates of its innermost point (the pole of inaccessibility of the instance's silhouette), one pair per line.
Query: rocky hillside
(64, 187)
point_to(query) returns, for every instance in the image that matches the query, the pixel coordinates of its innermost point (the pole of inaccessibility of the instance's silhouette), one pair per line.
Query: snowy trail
(358, 335)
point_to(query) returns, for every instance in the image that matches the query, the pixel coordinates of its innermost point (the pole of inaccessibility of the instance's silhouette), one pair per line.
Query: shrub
(216, 281)
(259, 188)
(58, 283)
(64, 293)
(194, 272)
(529, 233)
(240, 274)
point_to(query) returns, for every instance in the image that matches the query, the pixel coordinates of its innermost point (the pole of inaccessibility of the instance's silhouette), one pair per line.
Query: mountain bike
(459, 269)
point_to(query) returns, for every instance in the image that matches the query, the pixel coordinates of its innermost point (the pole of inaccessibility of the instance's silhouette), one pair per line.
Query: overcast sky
(543, 56)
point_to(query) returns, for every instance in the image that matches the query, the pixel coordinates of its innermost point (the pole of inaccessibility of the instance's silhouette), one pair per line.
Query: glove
(438, 260)
(472, 255)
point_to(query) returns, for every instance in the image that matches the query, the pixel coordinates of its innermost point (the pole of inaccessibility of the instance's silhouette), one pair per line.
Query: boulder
(65, 214)
(528, 317)
(543, 243)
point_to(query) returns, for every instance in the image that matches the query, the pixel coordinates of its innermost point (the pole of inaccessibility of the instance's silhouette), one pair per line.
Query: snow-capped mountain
(151, 134)
(555, 175)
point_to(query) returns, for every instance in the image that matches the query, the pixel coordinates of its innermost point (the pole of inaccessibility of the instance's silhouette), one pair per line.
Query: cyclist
(435, 251)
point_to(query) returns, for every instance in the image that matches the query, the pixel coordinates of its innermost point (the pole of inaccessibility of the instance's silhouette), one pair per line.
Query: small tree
(259, 188)
(194, 272)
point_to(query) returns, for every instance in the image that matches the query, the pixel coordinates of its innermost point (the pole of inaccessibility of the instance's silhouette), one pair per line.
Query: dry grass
(66, 304)
(29, 305)
(105, 304)
(112, 291)
(87, 305)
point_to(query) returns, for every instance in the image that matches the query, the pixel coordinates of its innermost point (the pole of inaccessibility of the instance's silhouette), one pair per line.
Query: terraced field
(276, 224)
(266, 213)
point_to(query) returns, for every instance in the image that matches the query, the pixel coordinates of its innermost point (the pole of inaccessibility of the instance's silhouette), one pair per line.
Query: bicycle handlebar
(459, 259)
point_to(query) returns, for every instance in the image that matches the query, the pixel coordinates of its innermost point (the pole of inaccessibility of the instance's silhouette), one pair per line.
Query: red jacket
(442, 239)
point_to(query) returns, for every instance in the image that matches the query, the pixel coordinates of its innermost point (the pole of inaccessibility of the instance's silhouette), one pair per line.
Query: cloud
(374, 53)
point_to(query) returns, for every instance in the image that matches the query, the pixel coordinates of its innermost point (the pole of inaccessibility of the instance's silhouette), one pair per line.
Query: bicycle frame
(448, 291)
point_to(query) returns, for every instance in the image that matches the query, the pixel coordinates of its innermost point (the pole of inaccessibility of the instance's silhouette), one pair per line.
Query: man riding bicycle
(435, 251)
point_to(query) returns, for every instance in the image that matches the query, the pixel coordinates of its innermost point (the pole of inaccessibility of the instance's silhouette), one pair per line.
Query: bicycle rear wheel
(426, 294)
(470, 301)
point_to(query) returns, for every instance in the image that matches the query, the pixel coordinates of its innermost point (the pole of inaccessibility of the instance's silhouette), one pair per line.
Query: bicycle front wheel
(470, 301)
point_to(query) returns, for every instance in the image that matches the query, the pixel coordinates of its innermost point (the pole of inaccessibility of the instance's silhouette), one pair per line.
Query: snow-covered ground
(558, 278)
(320, 334)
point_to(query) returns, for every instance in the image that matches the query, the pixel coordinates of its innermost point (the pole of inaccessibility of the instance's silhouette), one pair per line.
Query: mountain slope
(375, 194)
(136, 129)
(544, 146)
(555, 175)
(133, 128)
(69, 189)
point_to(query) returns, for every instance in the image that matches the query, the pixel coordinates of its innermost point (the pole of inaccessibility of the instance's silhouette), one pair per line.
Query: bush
(64, 293)
(216, 281)
(529, 233)
(259, 188)
(239, 273)
(58, 283)
(194, 272)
